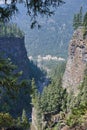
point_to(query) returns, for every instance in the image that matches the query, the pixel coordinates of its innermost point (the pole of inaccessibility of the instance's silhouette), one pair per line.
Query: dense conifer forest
(54, 107)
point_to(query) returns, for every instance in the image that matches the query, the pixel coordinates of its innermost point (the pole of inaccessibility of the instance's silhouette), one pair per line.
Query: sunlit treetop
(35, 8)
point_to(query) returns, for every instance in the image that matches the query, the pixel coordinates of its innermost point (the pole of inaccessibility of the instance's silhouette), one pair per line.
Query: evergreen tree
(11, 88)
(53, 98)
(85, 20)
(6, 120)
(24, 122)
(24, 117)
(34, 92)
(83, 90)
(78, 19)
(80, 16)
(9, 78)
(75, 22)
(85, 25)
(79, 105)
(34, 8)
(18, 122)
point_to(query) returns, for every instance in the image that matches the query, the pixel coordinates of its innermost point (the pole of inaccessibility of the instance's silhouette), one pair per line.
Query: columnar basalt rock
(76, 63)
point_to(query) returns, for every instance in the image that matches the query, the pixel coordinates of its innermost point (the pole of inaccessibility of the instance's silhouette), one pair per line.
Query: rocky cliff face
(14, 48)
(76, 63)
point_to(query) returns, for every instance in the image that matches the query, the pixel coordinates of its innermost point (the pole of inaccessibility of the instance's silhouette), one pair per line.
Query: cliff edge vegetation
(63, 105)
(10, 30)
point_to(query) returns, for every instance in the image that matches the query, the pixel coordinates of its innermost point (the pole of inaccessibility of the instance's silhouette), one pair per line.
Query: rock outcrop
(14, 48)
(76, 63)
(34, 120)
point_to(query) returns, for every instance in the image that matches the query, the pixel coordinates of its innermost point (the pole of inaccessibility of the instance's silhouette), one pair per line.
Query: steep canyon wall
(14, 48)
(76, 63)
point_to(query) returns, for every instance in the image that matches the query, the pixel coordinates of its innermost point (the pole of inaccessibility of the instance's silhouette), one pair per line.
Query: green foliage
(38, 111)
(24, 122)
(18, 121)
(53, 97)
(80, 16)
(10, 30)
(77, 115)
(71, 99)
(13, 90)
(78, 19)
(34, 89)
(9, 78)
(85, 25)
(34, 8)
(79, 106)
(24, 117)
(36, 102)
(58, 71)
(34, 92)
(6, 120)
(82, 96)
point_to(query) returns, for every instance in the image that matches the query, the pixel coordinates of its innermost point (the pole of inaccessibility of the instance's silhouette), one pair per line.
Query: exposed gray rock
(34, 119)
(76, 63)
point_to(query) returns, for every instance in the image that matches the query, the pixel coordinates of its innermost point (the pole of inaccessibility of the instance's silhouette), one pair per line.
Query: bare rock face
(34, 120)
(77, 59)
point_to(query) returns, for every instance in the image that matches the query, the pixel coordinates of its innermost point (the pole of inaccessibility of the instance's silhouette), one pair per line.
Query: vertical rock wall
(14, 48)
(76, 63)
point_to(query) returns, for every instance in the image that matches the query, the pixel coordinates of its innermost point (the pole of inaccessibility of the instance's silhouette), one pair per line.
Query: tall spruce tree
(8, 77)
(78, 19)
(53, 98)
(81, 16)
(24, 123)
(34, 92)
(85, 24)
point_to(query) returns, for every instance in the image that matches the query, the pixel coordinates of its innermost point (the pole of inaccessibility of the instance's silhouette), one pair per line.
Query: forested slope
(55, 32)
